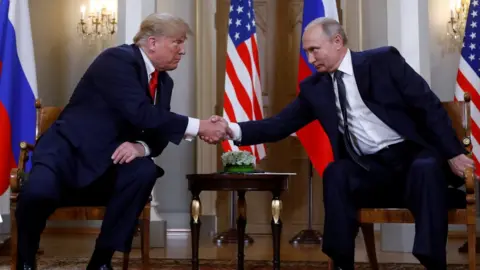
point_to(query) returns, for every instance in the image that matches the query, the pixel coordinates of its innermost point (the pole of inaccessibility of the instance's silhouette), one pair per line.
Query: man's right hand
(213, 131)
(460, 163)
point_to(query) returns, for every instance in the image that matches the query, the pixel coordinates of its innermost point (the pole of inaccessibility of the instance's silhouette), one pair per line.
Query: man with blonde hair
(101, 147)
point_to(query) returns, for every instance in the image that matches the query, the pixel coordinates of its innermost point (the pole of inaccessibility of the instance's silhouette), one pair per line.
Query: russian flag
(313, 137)
(18, 85)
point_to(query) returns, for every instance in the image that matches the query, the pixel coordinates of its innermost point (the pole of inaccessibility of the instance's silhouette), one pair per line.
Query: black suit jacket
(110, 105)
(390, 88)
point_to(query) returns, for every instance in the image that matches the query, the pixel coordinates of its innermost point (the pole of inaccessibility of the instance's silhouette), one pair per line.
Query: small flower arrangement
(238, 161)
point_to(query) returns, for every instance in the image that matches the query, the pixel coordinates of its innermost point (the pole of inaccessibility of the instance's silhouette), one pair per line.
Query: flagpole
(308, 236)
(230, 236)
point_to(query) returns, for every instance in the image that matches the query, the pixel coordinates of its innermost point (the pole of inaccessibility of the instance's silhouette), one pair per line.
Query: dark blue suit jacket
(110, 105)
(390, 88)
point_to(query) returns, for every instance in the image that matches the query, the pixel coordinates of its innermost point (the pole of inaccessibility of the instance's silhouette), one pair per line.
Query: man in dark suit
(101, 147)
(388, 131)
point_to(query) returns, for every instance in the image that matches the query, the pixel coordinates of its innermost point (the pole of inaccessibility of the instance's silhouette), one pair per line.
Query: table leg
(276, 229)
(195, 210)
(241, 224)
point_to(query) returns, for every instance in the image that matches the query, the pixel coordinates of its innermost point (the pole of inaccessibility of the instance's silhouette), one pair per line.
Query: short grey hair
(330, 27)
(161, 24)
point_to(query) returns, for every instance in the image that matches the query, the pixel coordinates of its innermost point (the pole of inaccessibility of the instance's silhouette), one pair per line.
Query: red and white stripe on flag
(243, 90)
(468, 79)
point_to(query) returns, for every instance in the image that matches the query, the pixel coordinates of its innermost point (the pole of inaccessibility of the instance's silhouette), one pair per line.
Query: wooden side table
(273, 182)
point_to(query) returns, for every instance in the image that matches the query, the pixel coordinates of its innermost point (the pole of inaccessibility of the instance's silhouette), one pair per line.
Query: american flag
(468, 79)
(243, 91)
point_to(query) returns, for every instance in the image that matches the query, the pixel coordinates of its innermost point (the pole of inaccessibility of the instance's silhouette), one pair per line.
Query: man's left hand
(127, 152)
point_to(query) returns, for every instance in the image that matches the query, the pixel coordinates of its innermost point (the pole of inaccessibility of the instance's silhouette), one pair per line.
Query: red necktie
(153, 83)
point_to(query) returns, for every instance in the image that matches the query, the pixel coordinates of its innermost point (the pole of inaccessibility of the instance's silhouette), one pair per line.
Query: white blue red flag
(18, 84)
(468, 79)
(243, 91)
(312, 136)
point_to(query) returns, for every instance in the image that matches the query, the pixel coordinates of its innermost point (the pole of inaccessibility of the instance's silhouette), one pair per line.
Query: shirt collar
(346, 64)
(148, 63)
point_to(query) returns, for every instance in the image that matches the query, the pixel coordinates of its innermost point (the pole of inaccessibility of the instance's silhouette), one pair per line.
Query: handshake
(215, 130)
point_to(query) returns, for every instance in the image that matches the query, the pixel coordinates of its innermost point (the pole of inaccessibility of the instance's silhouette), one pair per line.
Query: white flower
(238, 158)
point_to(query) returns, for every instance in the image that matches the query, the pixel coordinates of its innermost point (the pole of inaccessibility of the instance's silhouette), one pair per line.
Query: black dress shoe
(25, 266)
(101, 267)
(336, 267)
(106, 267)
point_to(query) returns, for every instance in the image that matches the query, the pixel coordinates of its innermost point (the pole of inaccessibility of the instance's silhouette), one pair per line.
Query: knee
(146, 170)
(427, 168)
(34, 195)
(424, 164)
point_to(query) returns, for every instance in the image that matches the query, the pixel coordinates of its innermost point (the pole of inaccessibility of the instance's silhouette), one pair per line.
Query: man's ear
(151, 41)
(337, 40)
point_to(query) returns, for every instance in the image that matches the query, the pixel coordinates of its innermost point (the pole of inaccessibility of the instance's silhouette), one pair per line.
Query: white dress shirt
(193, 123)
(369, 133)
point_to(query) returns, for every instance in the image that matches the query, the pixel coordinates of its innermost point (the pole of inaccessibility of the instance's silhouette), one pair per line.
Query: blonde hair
(161, 24)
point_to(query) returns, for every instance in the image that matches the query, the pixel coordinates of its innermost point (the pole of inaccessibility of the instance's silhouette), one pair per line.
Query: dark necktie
(347, 137)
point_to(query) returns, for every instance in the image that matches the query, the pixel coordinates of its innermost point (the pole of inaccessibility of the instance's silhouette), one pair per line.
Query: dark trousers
(124, 189)
(403, 172)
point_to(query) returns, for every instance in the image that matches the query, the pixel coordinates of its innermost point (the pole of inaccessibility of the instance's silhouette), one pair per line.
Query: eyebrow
(311, 48)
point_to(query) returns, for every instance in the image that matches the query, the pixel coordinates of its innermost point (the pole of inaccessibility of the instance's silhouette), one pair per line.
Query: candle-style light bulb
(82, 12)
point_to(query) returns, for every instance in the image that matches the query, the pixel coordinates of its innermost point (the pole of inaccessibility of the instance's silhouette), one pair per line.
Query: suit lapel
(323, 94)
(143, 68)
(323, 97)
(361, 69)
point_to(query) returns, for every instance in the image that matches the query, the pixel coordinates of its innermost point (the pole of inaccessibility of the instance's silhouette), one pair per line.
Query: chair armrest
(25, 148)
(470, 186)
(17, 175)
(14, 181)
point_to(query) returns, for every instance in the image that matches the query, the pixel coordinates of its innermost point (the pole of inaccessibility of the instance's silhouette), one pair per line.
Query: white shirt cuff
(237, 131)
(145, 146)
(192, 129)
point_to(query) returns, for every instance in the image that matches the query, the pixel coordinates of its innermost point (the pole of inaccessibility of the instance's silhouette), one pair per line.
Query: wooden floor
(178, 247)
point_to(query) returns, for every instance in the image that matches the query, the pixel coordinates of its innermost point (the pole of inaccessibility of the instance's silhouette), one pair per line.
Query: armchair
(46, 116)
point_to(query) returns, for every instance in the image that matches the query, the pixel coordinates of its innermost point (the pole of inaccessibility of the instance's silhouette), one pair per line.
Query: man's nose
(310, 58)
(182, 49)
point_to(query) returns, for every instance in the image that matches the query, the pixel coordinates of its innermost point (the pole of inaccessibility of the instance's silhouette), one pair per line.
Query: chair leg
(330, 264)
(145, 243)
(126, 259)
(369, 237)
(471, 230)
(14, 237)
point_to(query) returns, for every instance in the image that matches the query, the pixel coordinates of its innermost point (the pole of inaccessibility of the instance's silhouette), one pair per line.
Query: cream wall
(443, 64)
(171, 191)
(60, 54)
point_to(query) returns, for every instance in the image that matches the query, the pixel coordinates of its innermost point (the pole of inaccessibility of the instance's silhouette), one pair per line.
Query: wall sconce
(456, 24)
(100, 22)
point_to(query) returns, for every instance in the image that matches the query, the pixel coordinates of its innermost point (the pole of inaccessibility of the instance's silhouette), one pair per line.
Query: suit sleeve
(155, 142)
(115, 77)
(292, 118)
(426, 105)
